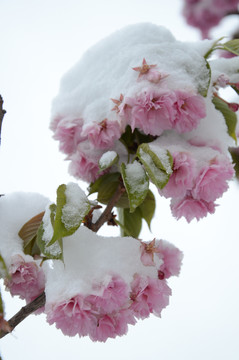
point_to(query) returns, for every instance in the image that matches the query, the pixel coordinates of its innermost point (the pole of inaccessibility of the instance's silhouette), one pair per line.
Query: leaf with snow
(108, 159)
(157, 162)
(106, 186)
(72, 206)
(44, 236)
(229, 116)
(204, 90)
(3, 269)
(232, 46)
(136, 183)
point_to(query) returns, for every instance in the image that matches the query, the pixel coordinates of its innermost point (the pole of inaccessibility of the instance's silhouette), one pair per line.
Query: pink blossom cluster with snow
(143, 78)
(205, 14)
(104, 283)
(26, 277)
(107, 296)
(199, 178)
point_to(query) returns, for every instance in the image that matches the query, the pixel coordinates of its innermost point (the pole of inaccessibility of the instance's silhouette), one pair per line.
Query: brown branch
(2, 113)
(106, 215)
(25, 311)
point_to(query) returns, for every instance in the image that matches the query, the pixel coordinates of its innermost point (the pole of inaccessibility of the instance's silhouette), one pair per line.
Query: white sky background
(40, 40)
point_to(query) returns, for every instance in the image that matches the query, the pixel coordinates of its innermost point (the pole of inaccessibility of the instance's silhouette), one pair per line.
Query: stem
(25, 311)
(2, 113)
(106, 215)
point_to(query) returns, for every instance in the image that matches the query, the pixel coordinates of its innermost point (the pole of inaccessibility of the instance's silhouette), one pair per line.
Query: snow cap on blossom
(103, 285)
(139, 76)
(200, 176)
(26, 277)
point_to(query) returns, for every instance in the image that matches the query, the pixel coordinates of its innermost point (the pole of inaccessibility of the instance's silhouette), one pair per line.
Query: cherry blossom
(27, 279)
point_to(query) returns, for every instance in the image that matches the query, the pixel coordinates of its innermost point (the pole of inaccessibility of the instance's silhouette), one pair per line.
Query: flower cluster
(102, 306)
(205, 14)
(155, 93)
(104, 283)
(26, 278)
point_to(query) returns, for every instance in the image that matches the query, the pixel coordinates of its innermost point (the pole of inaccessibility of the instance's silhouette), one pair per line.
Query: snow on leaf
(157, 162)
(136, 183)
(71, 207)
(108, 159)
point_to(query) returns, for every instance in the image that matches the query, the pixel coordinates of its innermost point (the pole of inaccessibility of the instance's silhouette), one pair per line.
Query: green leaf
(157, 162)
(106, 186)
(136, 183)
(213, 48)
(235, 158)
(229, 116)
(3, 269)
(131, 222)
(147, 208)
(54, 251)
(133, 139)
(204, 90)
(69, 212)
(232, 46)
(108, 159)
(28, 233)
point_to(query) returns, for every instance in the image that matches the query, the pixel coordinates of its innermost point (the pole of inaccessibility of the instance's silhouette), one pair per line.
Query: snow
(76, 207)
(107, 159)
(161, 176)
(83, 265)
(53, 249)
(15, 210)
(105, 71)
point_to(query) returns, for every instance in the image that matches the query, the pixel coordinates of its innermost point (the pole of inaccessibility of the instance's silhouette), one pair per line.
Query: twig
(106, 215)
(2, 113)
(25, 311)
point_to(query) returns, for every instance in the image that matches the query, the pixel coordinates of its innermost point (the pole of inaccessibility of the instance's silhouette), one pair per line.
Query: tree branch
(106, 215)
(2, 113)
(24, 312)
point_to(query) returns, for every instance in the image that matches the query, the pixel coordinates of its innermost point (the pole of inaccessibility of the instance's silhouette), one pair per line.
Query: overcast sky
(40, 41)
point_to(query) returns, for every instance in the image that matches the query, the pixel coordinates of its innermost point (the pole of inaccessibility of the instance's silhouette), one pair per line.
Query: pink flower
(152, 112)
(73, 317)
(148, 296)
(222, 80)
(69, 133)
(149, 72)
(104, 134)
(211, 182)
(182, 177)
(147, 252)
(172, 259)
(191, 208)
(233, 107)
(27, 279)
(84, 163)
(205, 14)
(112, 325)
(115, 295)
(189, 110)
